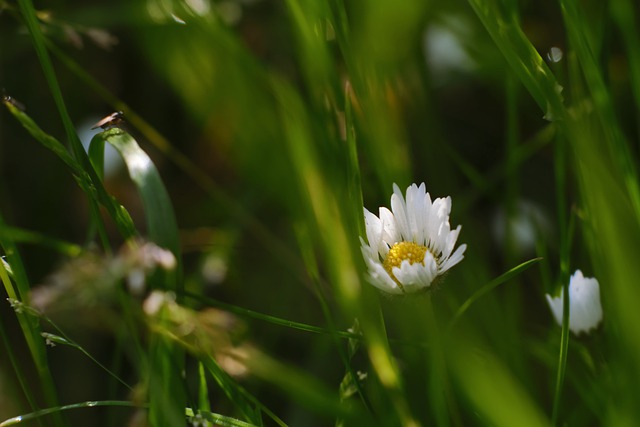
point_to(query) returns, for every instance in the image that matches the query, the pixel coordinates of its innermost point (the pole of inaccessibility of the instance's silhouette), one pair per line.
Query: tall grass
(219, 280)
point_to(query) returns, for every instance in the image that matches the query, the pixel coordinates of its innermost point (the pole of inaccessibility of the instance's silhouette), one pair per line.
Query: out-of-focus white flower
(585, 310)
(412, 245)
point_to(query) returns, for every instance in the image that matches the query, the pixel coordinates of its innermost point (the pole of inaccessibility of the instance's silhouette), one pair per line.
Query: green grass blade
(45, 139)
(161, 222)
(248, 405)
(58, 409)
(324, 209)
(20, 235)
(8, 349)
(87, 179)
(578, 32)
(625, 17)
(33, 24)
(505, 277)
(203, 391)
(217, 419)
(522, 56)
(499, 399)
(65, 340)
(17, 288)
(166, 387)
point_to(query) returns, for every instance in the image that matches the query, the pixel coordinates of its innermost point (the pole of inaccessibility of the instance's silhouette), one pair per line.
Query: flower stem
(562, 357)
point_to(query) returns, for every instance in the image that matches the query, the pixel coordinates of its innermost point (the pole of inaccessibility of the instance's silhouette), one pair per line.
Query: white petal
(391, 236)
(379, 278)
(373, 228)
(407, 274)
(457, 256)
(415, 277)
(399, 209)
(450, 242)
(415, 214)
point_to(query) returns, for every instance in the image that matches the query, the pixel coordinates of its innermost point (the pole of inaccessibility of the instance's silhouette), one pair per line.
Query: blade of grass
(523, 58)
(560, 165)
(624, 15)
(38, 39)
(8, 350)
(497, 396)
(577, 31)
(92, 187)
(246, 403)
(503, 278)
(203, 391)
(161, 222)
(20, 235)
(322, 210)
(217, 419)
(18, 290)
(65, 340)
(58, 409)
(166, 388)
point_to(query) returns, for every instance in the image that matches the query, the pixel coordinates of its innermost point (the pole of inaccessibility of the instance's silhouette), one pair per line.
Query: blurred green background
(272, 122)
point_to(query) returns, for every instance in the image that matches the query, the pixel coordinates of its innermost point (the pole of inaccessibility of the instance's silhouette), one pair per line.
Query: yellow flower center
(399, 252)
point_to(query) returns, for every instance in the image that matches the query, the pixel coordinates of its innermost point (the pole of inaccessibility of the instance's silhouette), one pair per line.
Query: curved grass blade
(90, 404)
(246, 403)
(241, 311)
(64, 340)
(217, 419)
(523, 57)
(166, 388)
(490, 286)
(161, 221)
(27, 236)
(17, 288)
(86, 178)
(45, 139)
(38, 39)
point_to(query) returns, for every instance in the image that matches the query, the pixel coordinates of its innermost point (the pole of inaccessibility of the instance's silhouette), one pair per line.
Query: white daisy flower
(412, 245)
(585, 310)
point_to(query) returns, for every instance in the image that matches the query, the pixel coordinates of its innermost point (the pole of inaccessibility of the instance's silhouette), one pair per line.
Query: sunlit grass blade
(217, 419)
(503, 278)
(161, 222)
(497, 396)
(612, 234)
(523, 58)
(203, 391)
(58, 409)
(324, 208)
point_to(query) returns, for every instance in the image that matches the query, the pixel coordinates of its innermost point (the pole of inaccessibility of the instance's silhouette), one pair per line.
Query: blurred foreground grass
(271, 124)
